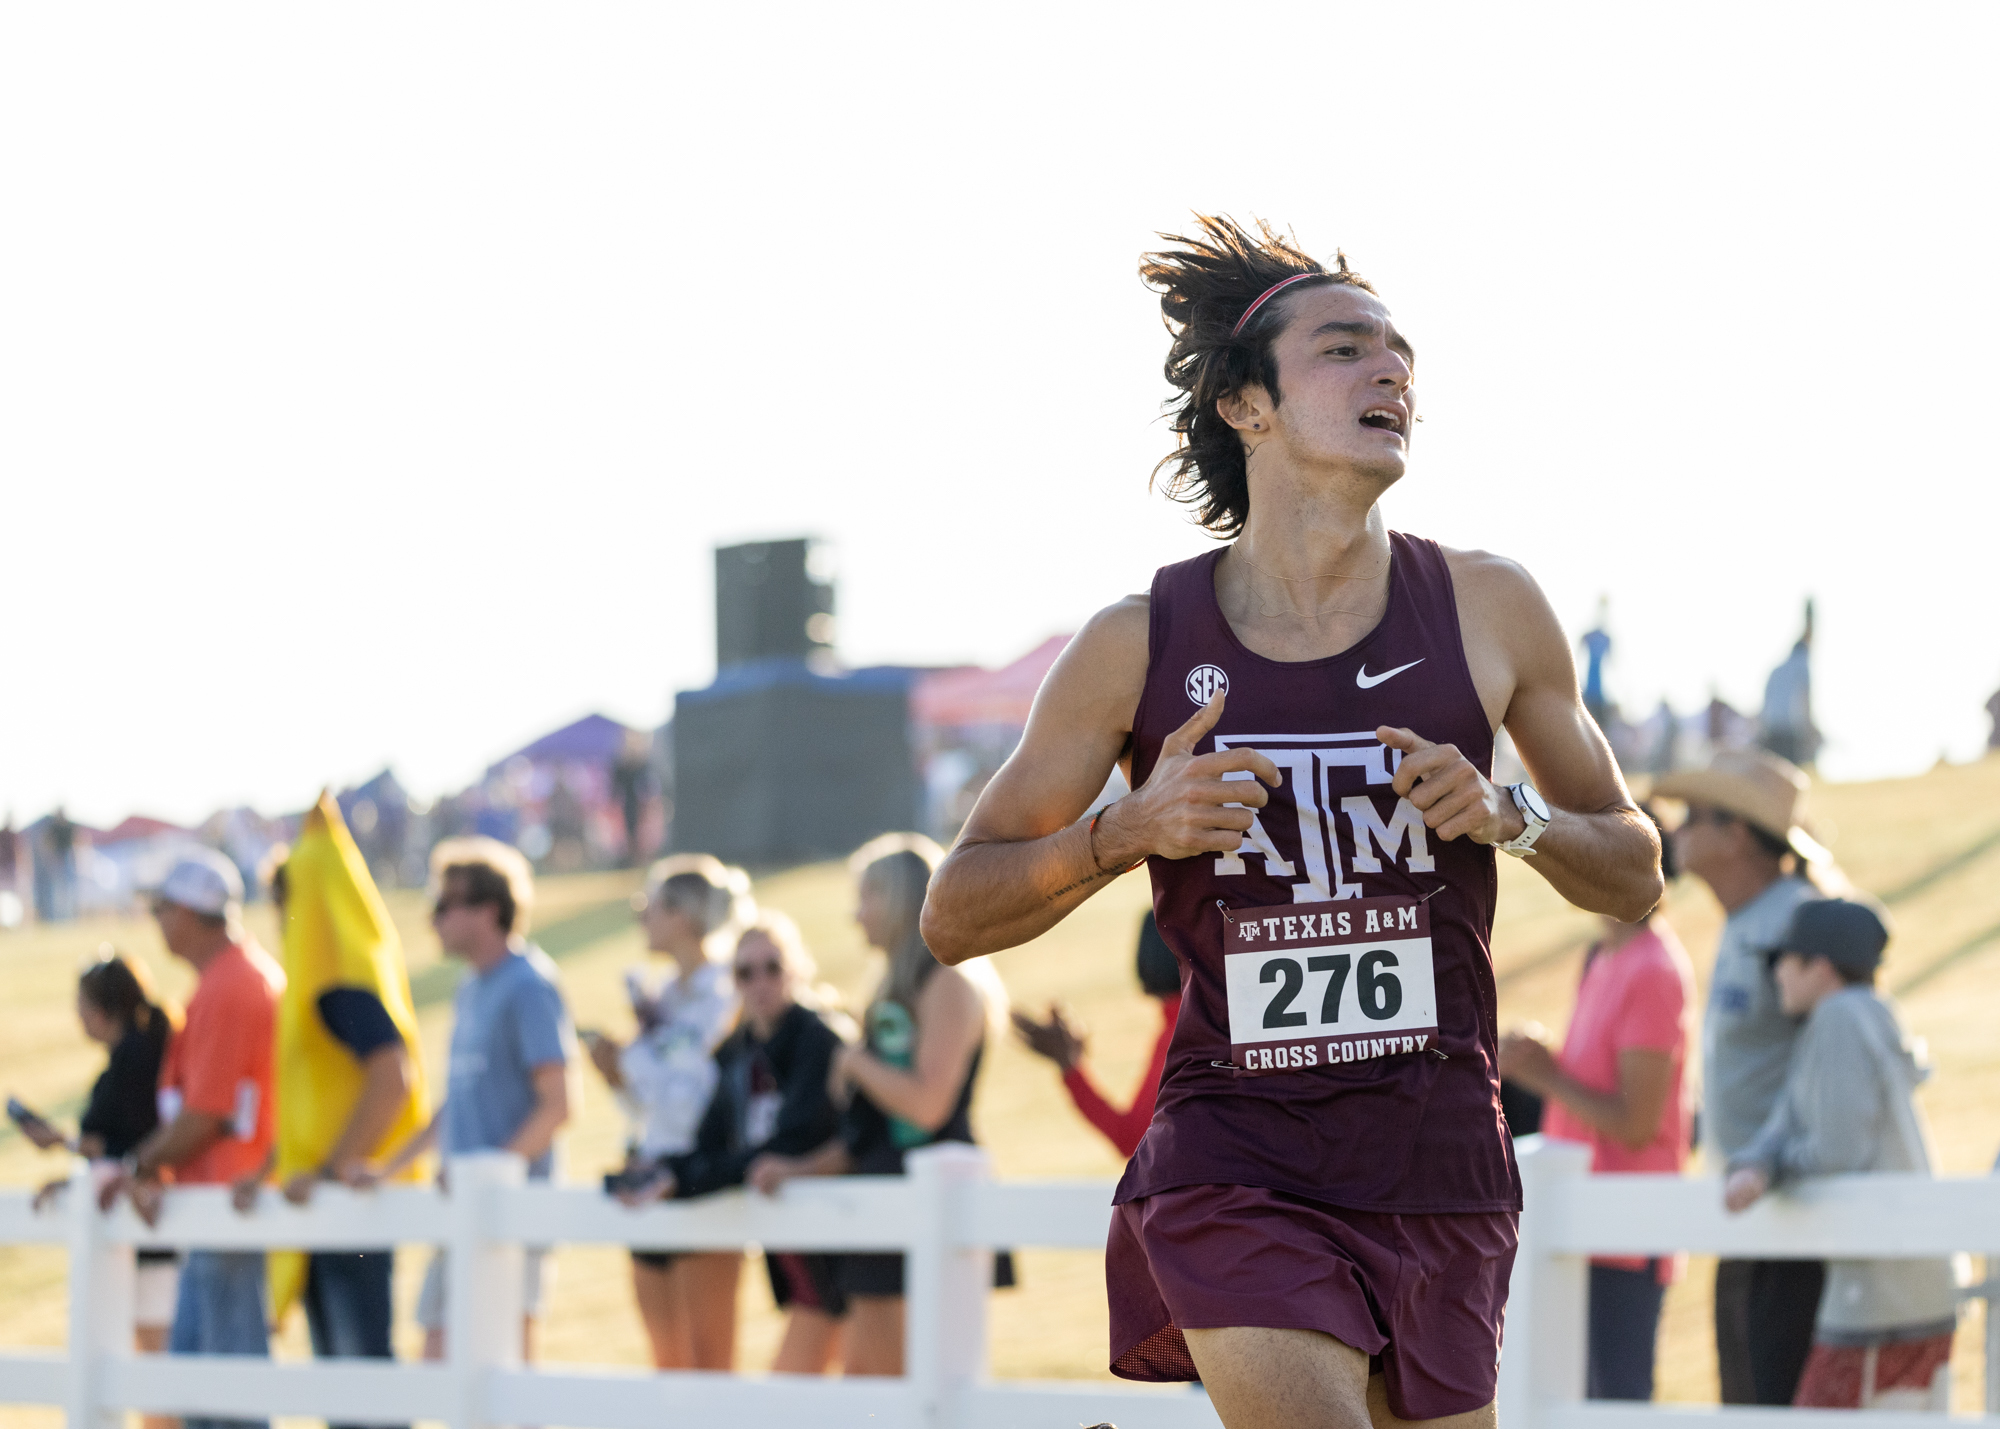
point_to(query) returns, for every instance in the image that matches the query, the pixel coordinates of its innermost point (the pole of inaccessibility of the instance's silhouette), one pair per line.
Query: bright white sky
(375, 379)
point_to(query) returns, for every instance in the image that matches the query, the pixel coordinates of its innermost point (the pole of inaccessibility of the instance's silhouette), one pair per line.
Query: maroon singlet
(1407, 1122)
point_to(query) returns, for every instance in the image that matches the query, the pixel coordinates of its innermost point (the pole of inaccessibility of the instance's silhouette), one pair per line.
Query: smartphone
(23, 1116)
(633, 1180)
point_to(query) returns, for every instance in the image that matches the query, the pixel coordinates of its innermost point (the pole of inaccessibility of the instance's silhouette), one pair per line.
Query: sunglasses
(1716, 818)
(445, 905)
(750, 972)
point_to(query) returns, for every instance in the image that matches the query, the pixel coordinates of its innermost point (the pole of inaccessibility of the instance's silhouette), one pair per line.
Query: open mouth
(1383, 419)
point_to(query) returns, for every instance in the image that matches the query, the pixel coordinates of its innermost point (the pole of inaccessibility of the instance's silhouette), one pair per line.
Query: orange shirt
(220, 1063)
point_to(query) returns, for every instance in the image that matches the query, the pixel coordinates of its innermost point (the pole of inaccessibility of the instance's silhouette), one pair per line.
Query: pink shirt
(1641, 995)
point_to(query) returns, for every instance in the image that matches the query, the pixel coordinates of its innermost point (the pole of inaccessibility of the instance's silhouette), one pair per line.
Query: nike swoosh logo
(1368, 682)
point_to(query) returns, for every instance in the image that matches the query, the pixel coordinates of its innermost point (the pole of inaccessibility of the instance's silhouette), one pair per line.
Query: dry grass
(1891, 835)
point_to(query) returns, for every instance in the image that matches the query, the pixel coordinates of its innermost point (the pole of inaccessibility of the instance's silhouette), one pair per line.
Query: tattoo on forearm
(1068, 888)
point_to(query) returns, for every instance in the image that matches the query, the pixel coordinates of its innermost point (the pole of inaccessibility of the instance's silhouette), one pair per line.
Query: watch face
(1532, 797)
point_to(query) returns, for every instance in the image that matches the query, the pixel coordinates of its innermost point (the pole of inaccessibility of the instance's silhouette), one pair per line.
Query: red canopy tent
(956, 699)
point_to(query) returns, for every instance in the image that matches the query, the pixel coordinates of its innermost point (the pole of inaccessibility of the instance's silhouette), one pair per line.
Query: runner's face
(1346, 376)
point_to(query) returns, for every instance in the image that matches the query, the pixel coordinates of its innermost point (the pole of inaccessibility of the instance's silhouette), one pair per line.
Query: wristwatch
(1535, 812)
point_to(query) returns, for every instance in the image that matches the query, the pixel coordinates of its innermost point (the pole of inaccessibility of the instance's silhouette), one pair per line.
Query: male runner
(1320, 1221)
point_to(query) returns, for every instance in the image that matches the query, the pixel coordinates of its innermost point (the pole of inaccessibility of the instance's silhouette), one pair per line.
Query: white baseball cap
(203, 881)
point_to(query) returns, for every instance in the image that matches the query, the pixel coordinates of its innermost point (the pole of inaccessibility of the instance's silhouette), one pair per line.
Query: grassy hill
(1930, 846)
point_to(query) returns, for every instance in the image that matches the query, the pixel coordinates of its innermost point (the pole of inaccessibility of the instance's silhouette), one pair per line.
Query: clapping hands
(1054, 1039)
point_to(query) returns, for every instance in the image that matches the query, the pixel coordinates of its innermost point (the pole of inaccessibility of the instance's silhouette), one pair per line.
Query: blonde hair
(717, 894)
(492, 868)
(901, 867)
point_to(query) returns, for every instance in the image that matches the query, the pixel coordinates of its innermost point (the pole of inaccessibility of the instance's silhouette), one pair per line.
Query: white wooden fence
(948, 1216)
(1571, 1215)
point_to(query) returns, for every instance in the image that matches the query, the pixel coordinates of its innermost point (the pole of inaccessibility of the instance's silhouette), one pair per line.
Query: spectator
(632, 785)
(911, 1086)
(55, 869)
(117, 1006)
(771, 1099)
(511, 1045)
(665, 1077)
(13, 854)
(1159, 977)
(1882, 1339)
(1618, 1088)
(1786, 725)
(349, 1080)
(1743, 837)
(215, 1100)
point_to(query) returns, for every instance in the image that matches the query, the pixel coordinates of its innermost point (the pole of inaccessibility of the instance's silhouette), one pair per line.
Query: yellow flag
(337, 934)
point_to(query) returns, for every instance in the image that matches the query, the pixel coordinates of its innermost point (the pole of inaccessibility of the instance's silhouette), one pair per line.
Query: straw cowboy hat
(1757, 787)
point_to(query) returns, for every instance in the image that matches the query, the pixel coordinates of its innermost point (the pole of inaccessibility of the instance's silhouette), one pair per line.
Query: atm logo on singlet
(1331, 820)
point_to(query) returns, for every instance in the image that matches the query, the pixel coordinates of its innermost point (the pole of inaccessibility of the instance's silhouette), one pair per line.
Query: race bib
(1321, 984)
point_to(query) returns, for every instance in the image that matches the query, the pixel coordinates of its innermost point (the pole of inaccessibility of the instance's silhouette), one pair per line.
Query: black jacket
(124, 1101)
(771, 1097)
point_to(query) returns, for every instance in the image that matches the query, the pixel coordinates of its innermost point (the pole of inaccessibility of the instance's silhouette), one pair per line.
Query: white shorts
(157, 1291)
(537, 1273)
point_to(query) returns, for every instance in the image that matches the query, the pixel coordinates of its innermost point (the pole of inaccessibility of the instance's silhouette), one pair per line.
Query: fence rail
(948, 1217)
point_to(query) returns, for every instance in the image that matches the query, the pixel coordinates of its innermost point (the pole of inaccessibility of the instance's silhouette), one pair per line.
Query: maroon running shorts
(1422, 1296)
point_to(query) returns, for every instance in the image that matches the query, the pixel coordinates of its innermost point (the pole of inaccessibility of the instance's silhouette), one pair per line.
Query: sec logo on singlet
(1205, 682)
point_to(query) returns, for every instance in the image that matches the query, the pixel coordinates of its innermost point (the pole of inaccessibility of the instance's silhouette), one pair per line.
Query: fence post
(1992, 1333)
(944, 1284)
(1546, 1311)
(102, 1295)
(482, 1284)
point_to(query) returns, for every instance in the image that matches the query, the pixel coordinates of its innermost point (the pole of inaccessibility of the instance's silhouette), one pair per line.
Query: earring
(1256, 426)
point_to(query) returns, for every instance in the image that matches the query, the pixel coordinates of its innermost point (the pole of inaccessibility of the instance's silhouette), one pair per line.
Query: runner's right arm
(1024, 859)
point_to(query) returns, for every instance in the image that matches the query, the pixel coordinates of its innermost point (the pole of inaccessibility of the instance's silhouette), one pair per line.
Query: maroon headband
(1266, 296)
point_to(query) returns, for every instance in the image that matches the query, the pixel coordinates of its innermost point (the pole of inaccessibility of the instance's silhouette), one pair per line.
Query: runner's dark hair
(1206, 284)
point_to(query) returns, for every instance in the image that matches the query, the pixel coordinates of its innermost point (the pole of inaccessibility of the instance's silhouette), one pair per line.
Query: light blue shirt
(508, 1021)
(1746, 1036)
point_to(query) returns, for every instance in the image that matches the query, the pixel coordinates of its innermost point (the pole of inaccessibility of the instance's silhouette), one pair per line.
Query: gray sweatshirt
(1849, 1105)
